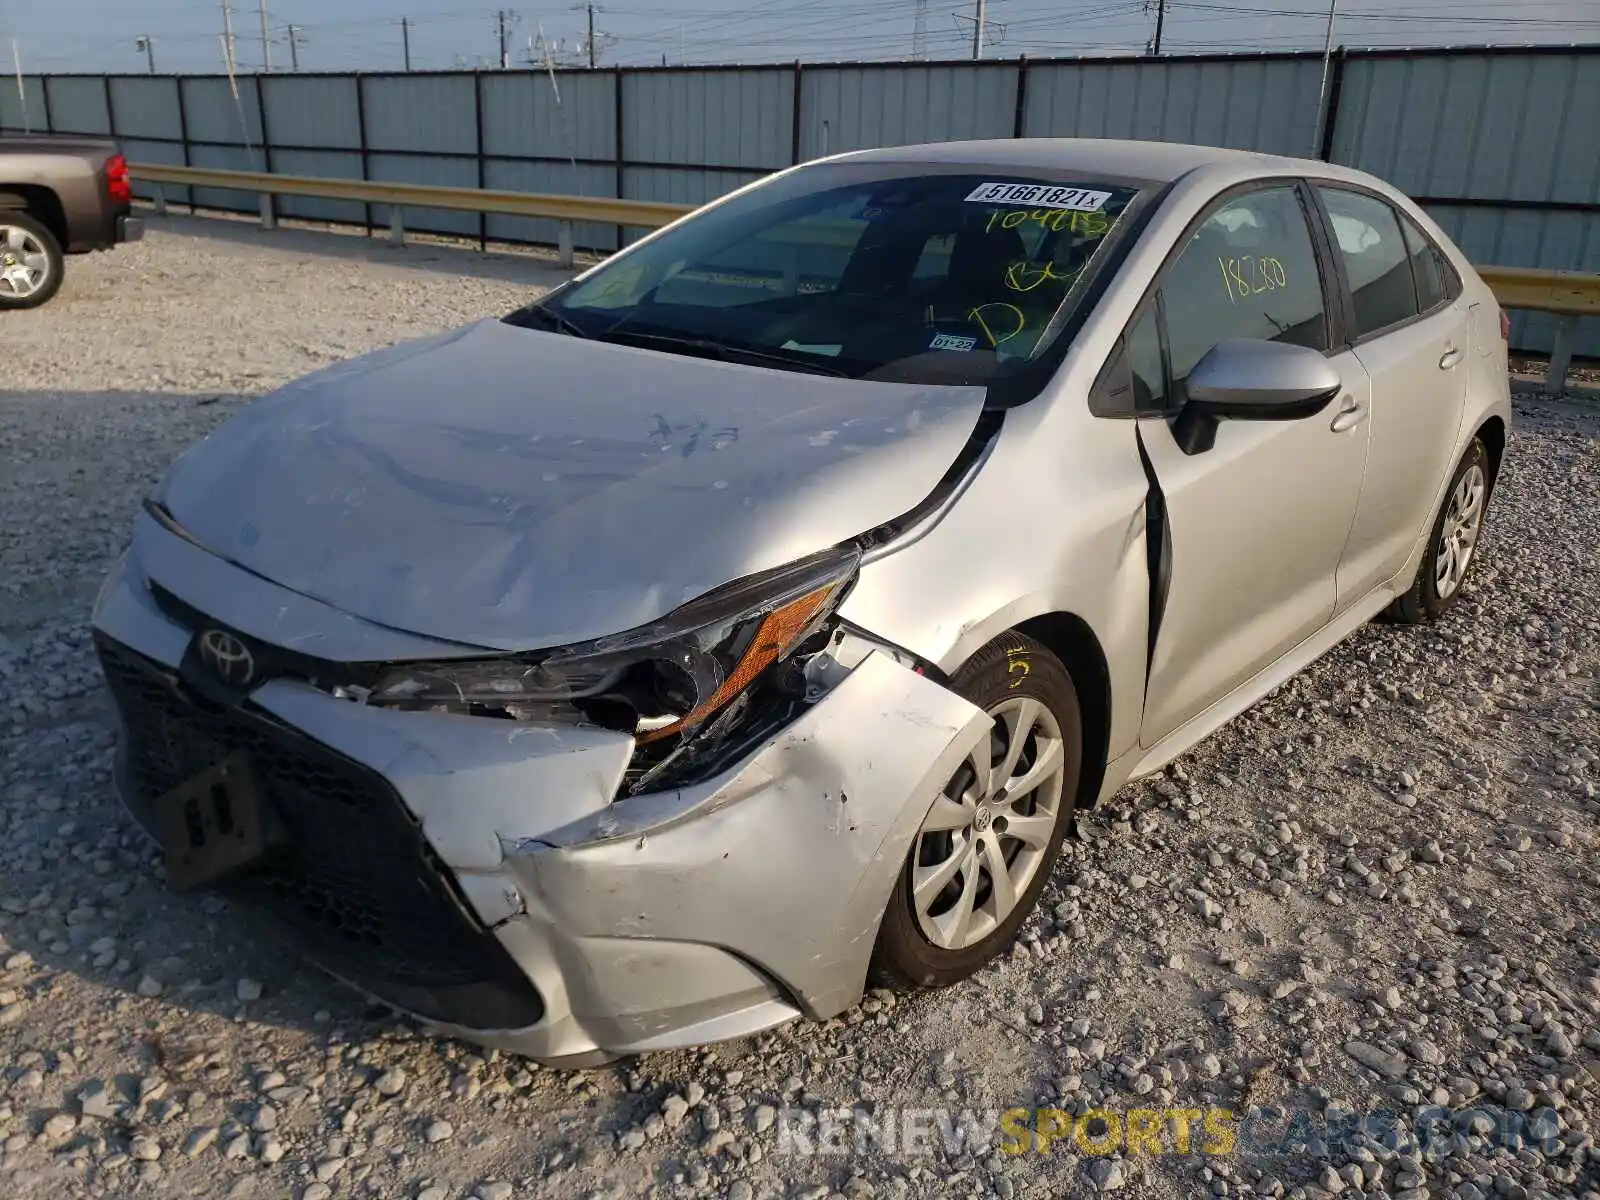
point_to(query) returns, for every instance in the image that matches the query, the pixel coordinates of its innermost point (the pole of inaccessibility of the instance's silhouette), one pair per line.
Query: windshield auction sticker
(1042, 195)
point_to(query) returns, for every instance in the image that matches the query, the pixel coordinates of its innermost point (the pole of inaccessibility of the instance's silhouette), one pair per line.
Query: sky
(344, 35)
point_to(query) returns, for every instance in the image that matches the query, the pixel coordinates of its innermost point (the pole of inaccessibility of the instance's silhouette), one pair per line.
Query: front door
(1259, 520)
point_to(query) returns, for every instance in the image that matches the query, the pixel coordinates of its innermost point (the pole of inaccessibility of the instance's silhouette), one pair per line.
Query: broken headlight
(660, 681)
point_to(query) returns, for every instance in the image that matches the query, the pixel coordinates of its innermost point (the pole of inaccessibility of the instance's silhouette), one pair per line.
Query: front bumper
(478, 874)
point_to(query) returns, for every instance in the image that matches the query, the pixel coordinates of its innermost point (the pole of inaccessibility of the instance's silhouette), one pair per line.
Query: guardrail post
(1555, 379)
(159, 199)
(564, 245)
(269, 219)
(397, 226)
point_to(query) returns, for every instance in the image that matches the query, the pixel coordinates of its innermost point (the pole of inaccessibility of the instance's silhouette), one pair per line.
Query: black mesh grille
(356, 881)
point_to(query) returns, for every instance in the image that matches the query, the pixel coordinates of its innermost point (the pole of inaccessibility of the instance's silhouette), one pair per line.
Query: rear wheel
(985, 849)
(1451, 544)
(31, 263)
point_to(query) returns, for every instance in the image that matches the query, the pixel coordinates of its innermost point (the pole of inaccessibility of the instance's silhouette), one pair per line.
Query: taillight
(118, 186)
(1505, 327)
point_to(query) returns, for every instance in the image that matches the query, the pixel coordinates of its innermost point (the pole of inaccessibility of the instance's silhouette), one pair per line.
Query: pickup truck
(58, 196)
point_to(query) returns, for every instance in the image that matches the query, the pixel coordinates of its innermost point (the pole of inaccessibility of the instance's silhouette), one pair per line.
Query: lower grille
(356, 882)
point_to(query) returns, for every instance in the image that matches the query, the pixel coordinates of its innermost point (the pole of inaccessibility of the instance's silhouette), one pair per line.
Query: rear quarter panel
(74, 174)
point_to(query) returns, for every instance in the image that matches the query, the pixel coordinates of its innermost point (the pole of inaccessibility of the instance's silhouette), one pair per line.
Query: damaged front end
(692, 689)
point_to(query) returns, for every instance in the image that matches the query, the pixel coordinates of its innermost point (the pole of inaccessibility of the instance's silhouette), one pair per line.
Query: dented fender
(787, 860)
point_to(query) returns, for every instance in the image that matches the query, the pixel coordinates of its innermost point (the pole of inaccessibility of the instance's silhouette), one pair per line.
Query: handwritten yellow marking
(976, 314)
(1251, 275)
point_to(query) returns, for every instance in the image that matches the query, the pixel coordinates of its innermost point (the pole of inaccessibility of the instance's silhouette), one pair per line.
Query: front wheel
(31, 263)
(985, 848)
(1451, 543)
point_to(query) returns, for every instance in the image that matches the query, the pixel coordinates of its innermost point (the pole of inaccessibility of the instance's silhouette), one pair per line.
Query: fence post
(44, 99)
(1330, 116)
(361, 129)
(261, 124)
(616, 143)
(183, 134)
(477, 125)
(1019, 118)
(794, 112)
(111, 109)
(1555, 377)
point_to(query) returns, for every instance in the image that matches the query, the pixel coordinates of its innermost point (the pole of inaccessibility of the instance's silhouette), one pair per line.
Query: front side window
(1375, 257)
(874, 271)
(1248, 271)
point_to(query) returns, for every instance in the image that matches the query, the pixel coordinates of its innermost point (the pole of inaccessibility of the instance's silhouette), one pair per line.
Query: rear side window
(1248, 271)
(1436, 282)
(1376, 259)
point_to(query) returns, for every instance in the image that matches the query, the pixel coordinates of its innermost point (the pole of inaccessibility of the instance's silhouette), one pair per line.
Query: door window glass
(1375, 259)
(1435, 283)
(1248, 272)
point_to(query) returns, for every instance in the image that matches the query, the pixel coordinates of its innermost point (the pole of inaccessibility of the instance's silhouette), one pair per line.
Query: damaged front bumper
(481, 875)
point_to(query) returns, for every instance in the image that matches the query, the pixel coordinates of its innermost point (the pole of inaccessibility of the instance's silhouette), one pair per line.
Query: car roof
(1158, 162)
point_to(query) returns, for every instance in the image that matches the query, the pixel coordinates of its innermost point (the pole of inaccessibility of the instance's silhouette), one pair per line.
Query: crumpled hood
(516, 489)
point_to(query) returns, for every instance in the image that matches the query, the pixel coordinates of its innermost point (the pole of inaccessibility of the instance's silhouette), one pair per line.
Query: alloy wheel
(24, 264)
(1458, 536)
(988, 832)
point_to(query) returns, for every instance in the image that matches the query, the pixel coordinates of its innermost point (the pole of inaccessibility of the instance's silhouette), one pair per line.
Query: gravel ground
(1375, 891)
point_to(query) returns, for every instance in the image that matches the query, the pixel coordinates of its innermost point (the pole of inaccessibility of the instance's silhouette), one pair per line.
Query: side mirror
(1244, 379)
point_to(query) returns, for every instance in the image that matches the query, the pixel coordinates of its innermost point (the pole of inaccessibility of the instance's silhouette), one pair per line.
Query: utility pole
(228, 51)
(405, 39)
(980, 25)
(1161, 14)
(919, 31)
(147, 44)
(1322, 92)
(590, 9)
(266, 42)
(506, 19)
(297, 38)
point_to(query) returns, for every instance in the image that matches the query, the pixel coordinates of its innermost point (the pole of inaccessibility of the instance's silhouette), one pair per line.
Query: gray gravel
(1379, 889)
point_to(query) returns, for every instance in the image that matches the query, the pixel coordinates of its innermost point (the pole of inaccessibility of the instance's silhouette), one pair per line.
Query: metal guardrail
(1568, 294)
(639, 214)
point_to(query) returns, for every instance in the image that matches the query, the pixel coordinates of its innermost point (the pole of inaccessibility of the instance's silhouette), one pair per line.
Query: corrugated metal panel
(521, 117)
(562, 179)
(146, 108)
(442, 172)
(1502, 126)
(307, 110)
(1269, 106)
(324, 164)
(78, 105)
(1556, 241)
(855, 108)
(12, 114)
(225, 158)
(715, 118)
(680, 185)
(432, 113)
(214, 114)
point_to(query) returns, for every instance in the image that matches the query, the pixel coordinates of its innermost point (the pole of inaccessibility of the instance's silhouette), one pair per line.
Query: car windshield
(961, 275)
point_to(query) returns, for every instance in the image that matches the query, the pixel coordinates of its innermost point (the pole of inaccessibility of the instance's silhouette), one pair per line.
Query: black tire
(904, 957)
(55, 261)
(1421, 603)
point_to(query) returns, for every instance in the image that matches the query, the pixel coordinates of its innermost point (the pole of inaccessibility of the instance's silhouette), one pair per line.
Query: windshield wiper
(564, 324)
(719, 350)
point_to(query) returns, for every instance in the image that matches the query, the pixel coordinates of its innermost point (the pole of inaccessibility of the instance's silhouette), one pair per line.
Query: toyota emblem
(229, 658)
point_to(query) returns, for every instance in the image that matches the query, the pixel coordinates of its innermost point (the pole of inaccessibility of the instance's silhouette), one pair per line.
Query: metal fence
(1502, 145)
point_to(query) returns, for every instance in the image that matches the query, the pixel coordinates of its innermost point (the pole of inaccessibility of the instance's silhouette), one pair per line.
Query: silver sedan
(751, 617)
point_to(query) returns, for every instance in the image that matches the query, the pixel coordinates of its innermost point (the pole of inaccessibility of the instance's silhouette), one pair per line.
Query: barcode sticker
(1039, 195)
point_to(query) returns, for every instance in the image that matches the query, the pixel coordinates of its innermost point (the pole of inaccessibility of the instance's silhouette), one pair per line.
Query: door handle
(1450, 358)
(1351, 413)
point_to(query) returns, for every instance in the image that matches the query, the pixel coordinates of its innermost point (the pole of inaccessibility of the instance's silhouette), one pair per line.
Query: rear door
(1412, 331)
(1257, 521)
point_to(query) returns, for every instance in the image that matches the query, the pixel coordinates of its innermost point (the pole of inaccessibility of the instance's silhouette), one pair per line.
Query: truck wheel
(31, 263)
